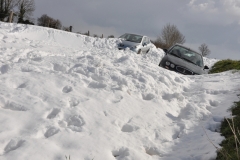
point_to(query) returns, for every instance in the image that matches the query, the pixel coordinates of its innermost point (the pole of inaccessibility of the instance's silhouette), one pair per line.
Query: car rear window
(132, 38)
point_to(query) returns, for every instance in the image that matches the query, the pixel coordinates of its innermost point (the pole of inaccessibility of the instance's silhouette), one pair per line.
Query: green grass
(225, 65)
(229, 150)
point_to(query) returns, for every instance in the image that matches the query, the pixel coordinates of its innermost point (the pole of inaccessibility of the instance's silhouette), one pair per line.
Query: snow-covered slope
(67, 94)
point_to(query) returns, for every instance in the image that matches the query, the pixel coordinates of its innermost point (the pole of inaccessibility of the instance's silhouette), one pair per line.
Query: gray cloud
(215, 23)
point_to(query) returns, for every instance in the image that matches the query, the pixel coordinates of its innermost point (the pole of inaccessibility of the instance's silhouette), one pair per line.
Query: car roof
(136, 34)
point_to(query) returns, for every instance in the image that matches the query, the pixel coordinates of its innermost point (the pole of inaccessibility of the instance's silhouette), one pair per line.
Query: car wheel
(139, 51)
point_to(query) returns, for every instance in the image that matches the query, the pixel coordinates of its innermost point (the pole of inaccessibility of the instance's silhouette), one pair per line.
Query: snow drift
(67, 94)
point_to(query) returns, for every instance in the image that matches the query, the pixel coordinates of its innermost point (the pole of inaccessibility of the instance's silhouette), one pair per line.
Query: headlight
(172, 65)
(121, 45)
(167, 63)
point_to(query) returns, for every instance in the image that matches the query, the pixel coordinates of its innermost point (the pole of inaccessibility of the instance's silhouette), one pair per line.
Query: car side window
(145, 40)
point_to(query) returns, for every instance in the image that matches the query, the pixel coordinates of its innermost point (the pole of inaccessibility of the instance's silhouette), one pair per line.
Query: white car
(137, 43)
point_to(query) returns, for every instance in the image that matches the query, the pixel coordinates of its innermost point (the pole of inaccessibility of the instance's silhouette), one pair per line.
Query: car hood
(183, 63)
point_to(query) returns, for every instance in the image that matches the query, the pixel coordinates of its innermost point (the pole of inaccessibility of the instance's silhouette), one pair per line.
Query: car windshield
(132, 38)
(187, 55)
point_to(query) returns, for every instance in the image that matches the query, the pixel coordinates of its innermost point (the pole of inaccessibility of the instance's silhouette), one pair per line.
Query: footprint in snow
(15, 107)
(73, 102)
(121, 153)
(148, 97)
(105, 113)
(51, 131)
(97, 85)
(75, 123)
(37, 59)
(54, 113)
(152, 151)
(169, 97)
(27, 69)
(4, 68)
(59, 68)
(23, 85)
(13, 145)
(115, 99)
(129, 128)
(67, 89)
(213, 103)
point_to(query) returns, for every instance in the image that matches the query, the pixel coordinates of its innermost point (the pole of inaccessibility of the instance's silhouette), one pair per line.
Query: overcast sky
(213, 22)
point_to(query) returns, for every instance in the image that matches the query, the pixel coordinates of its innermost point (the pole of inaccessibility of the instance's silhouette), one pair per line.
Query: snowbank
(68, 94)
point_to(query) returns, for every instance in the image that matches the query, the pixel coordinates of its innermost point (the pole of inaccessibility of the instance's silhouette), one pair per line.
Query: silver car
(183, 60)
(137, 43)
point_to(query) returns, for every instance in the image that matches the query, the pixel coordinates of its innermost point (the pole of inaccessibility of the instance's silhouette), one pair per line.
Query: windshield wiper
(175, 55)
(189, 61)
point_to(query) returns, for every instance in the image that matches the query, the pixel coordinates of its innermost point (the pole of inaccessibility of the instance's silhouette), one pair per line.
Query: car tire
(139, 51)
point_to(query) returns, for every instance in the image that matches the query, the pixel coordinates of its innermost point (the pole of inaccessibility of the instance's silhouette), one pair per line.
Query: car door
(148, 44)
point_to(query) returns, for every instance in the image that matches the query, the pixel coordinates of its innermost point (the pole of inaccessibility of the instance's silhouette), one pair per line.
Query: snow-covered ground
(65, 94)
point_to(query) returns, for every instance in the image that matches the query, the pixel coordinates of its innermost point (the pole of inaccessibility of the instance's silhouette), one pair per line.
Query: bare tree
(5, 7)
(44, 20)
(47, 21)
(204, 50)
(170, 35)
(55, 24)
(26, 8)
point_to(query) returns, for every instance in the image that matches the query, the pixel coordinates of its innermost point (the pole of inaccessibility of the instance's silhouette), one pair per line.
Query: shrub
(225, 65)
(229, 129)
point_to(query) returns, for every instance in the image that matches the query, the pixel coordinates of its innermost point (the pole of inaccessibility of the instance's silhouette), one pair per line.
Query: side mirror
(165, 50)
(206, 67)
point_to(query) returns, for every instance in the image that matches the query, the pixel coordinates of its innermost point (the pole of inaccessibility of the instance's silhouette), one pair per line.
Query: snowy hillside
(67, 94)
